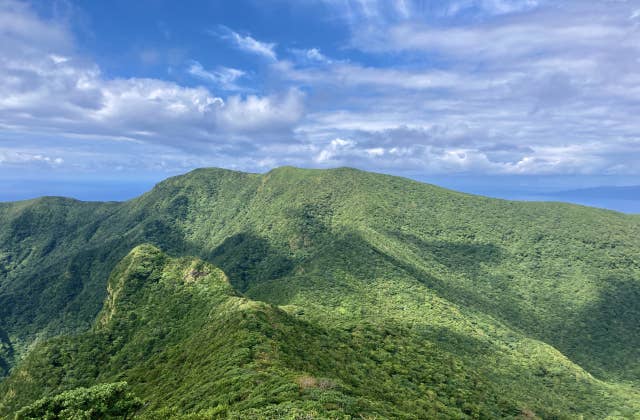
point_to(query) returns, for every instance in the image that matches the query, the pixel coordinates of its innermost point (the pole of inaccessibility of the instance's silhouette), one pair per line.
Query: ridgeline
(317, 294)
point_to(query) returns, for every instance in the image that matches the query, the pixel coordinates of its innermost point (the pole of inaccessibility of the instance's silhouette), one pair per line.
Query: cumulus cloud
(517, 87)
(465, 86)
(335, 149)
(254, 113)
(421, 157)
(46, 88)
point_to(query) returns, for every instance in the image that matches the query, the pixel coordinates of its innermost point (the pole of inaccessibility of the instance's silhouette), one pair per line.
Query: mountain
(321, 293)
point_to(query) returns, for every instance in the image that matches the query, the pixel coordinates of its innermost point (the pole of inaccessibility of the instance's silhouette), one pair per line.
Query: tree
(104, 401)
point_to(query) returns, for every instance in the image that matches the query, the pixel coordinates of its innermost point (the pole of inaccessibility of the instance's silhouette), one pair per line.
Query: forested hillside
(321, 293)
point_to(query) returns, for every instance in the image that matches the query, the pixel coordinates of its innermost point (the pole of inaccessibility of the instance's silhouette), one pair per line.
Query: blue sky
(520, 99)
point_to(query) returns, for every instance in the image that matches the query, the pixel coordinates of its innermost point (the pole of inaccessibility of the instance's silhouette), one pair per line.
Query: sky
(520, 99)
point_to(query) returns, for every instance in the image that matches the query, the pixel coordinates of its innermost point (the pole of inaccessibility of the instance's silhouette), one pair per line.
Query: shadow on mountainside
(604, 339)
(611, 327)
(248, 259)
(466, 257)
(341, 276)
(6, 353)
(73, 287)
(420, 259)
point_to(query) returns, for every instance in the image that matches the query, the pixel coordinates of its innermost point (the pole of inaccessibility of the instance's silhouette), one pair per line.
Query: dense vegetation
(338, 293)
(104, 401)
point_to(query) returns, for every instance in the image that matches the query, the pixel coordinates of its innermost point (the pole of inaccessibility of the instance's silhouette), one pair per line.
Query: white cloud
(11, 157)
(254, 113)
(316, 55)
(376, 151)
(496, 87)
(58, 59)
(491, 7)
(545, 90)
(374, 13)
(335, 148)
(223, 77)
(497, 42)
(47, 88)
(24, 30)
(247, 43)
(310, 58)
(147, 103)
(354, 75)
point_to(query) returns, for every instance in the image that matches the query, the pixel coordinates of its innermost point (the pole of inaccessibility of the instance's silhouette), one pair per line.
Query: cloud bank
(475, 87)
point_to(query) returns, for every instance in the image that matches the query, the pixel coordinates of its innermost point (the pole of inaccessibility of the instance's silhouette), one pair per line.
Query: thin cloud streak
(223, 77)
(246, 43)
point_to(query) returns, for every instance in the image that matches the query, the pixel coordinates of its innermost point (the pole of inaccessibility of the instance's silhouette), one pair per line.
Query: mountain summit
(321, 293)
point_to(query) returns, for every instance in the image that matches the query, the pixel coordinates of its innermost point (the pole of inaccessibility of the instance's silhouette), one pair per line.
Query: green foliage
(6, 353)
(364, 296)
(104, 401)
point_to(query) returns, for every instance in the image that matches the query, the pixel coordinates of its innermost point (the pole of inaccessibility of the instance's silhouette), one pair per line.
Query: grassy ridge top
(348, 247)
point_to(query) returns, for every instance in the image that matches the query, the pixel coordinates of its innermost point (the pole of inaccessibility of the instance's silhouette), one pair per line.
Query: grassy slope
(484, 281)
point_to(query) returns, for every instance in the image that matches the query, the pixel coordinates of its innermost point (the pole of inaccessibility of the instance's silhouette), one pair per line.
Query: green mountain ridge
(367, 295)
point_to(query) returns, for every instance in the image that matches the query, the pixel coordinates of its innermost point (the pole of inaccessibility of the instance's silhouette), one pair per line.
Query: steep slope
(568, 275)
(348, 248)
(186, 342)
(6, 353)
(47, 268)
(177, 330)
(56, 253)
